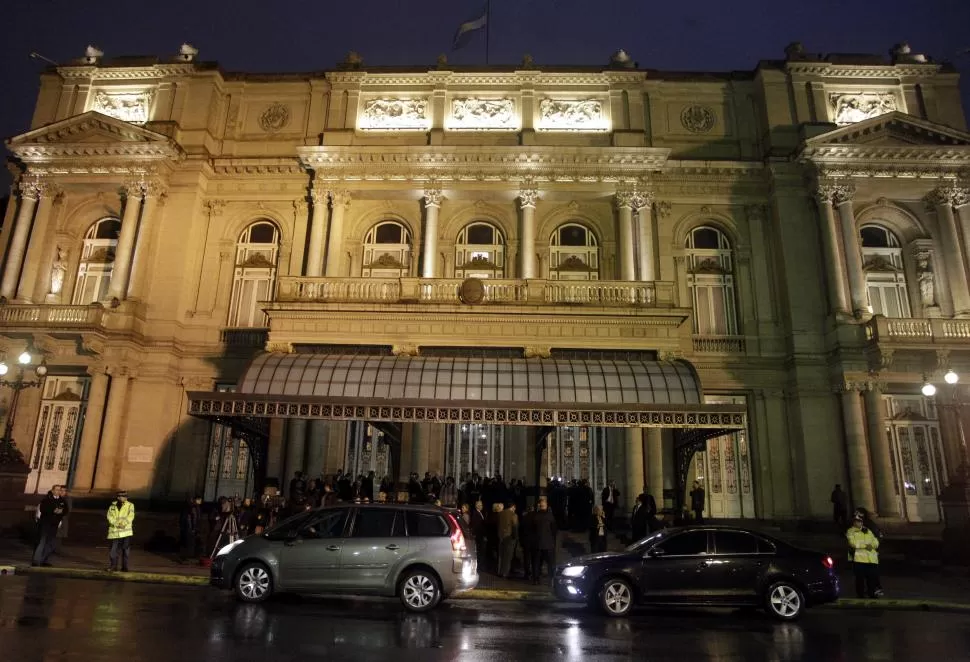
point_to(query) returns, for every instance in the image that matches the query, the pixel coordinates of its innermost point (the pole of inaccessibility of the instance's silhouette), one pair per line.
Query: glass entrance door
(58, 429)
(919, 466)
(474, 448)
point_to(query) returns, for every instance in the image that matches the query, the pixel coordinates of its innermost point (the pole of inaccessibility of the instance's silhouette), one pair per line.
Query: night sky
(267, 36)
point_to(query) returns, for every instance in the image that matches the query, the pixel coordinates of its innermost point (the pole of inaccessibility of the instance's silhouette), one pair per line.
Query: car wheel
(784, 601)
(616, 597)
(253, 583)
(420, 591)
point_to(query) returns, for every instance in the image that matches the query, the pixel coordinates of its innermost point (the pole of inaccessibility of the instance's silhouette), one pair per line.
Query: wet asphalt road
(49, 619)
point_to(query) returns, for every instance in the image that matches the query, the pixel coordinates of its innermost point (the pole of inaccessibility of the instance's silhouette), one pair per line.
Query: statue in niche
(927, 289)
(58, 271)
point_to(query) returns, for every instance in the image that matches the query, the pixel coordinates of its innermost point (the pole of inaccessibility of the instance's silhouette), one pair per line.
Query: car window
(735, 542)
(289, 525)
(376, 523)
(691, 543)
(426, 525)
(325, 524)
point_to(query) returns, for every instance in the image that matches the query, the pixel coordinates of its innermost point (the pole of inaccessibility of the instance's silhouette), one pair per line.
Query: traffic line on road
(497, 594)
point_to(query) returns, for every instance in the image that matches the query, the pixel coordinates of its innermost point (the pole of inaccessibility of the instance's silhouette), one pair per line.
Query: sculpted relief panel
(131, 107)
(474, 113)
(384, 114)
(850, 108)
(572, 115)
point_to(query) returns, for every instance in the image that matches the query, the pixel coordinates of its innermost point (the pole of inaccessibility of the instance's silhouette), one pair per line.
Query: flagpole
(488, 21)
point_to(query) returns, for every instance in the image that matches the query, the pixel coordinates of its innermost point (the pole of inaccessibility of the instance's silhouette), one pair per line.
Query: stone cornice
(512, 79)
(827, 69)
(454, 164)
(260, 166)
(128, 73)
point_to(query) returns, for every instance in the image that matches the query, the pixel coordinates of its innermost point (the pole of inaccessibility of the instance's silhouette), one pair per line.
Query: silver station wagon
(421, 554)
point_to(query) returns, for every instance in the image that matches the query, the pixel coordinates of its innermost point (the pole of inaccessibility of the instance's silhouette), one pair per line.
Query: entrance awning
(512, 391)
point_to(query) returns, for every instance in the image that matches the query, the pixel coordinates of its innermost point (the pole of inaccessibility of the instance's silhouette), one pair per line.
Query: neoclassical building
(610, 273)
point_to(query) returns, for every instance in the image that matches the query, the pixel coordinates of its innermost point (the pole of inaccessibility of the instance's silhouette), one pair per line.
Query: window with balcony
(480, 252)
(710, 279)
(574, 253)
(97, 262)
(387, 251)
(882, 259)
(254, 274)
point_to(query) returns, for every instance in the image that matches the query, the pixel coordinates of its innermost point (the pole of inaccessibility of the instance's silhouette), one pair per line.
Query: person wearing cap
(121, 516)
(863, 550)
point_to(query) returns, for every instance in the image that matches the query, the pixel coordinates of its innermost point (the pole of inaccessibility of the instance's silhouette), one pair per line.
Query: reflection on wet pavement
(43, 618)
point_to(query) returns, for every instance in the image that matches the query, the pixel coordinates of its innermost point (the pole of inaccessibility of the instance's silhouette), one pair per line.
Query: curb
(494, 594)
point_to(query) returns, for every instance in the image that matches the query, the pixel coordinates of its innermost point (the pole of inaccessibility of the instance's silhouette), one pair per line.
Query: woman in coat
(597, 531)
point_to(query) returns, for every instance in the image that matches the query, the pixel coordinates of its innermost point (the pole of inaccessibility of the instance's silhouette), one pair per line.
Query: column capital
(98, 368)
(640, 199)
(154, 188)
(339, 198)
(30, 188)
(528, 197)
(623, 199)
(133, 188)
(300, 204)
(318, 196)
(835, 191)
(214, 206)
(432, 197)
(949, 194)
(663, 208)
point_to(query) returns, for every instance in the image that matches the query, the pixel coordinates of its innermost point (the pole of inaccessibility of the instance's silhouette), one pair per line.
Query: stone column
(633, 438)
(316, 448)
(943, 199)
(624, 238)
(842, 194)
(339, 201)
(429, 259)
(154, 193)
(87, 452)
(961, 203)
(527, 232)
(37, 247)
(121, 270)
(29, 194)
(834, 266)
(857, 447)
(654, 449)
(645, 231)
(295, 450)
(108, 460)
(420, 434)
(318, 233)
(887, 502)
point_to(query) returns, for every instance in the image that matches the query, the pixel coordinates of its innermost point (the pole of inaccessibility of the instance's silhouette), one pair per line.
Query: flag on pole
(468, 29)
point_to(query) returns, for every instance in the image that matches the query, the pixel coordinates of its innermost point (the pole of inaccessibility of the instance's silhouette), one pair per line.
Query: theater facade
(746, 279)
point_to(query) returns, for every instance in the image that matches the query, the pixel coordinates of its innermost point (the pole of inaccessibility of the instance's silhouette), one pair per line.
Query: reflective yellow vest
(858, 541)
(120, 520)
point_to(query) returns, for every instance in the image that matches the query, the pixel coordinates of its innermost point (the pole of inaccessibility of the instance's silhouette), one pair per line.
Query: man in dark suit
(52, 511)
(544, 530)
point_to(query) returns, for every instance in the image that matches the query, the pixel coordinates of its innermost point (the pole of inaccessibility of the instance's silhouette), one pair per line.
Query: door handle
(333, 548)
(392, 547)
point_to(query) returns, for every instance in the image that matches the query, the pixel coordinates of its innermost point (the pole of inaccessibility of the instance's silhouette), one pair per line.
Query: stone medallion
(471, 291)
(697, 118)
(274, 118)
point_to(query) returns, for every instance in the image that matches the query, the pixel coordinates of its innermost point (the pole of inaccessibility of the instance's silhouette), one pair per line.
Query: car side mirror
(655, 552)
(292, 535)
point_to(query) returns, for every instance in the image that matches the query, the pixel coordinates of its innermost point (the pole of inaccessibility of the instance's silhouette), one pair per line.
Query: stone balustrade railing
(918, 331)
(494, 291)
(51, 315)
(718, 344)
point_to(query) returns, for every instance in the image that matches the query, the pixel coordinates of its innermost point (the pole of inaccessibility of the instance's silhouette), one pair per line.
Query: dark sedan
(709, 566)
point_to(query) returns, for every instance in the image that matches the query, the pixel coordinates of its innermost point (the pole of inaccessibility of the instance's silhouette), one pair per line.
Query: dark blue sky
(246, 35)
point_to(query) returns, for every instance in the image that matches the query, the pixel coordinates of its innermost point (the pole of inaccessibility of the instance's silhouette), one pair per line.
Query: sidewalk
(919, 588)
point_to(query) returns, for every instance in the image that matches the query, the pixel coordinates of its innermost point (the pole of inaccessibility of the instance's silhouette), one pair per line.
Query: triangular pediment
(893, 129)
(93, 135)
(89, 127)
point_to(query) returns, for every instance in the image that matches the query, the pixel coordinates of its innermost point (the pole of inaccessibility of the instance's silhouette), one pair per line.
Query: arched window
(387, 251)
(574, 253)
(97, 262)
(480, 252)
(254, 276)
(882, 260)
(710, 278)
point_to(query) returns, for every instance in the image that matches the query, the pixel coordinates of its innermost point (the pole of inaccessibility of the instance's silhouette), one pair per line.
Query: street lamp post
(17, 384)
(955, 497)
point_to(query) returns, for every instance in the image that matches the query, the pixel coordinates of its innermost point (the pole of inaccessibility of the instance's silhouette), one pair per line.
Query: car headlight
(228, 548)
(573, 571)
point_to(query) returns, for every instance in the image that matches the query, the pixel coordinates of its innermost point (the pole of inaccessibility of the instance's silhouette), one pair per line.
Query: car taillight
(457, 537)
(828, 562)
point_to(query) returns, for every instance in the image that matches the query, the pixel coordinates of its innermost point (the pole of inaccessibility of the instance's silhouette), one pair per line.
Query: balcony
(917, 332)
(514, 292)
(244, 338)
(53, 316)
(718, 344)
